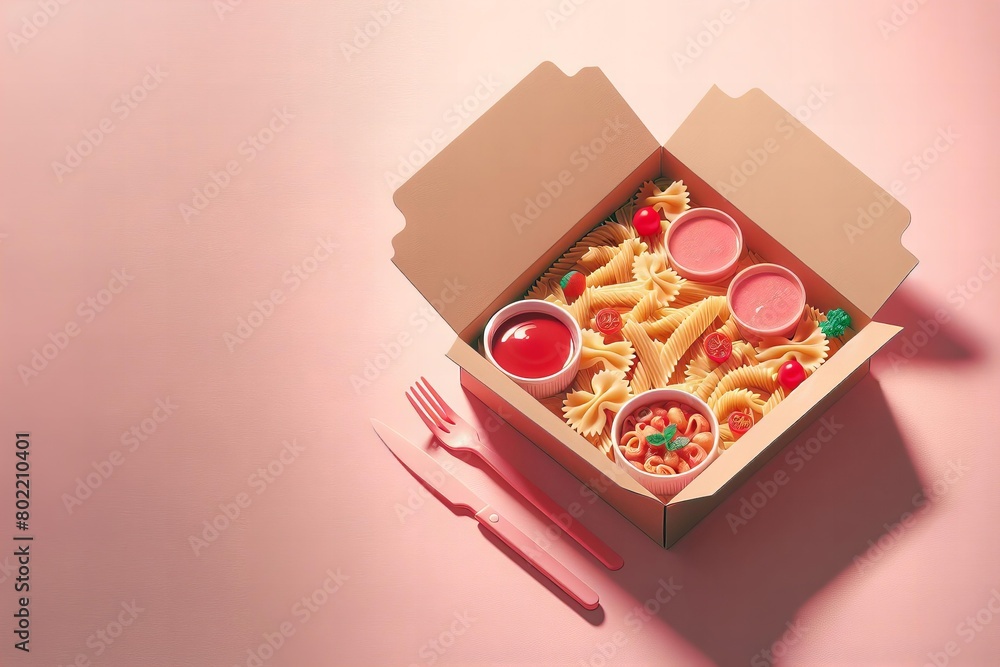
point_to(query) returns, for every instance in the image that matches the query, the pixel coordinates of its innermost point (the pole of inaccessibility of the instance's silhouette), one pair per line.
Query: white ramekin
(663, 485)
(724, 270)
(755, 334)
(551, 384)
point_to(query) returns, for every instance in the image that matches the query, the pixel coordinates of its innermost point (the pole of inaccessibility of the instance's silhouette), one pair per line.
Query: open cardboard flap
(800, 191)
(488, 209)
(537, 168)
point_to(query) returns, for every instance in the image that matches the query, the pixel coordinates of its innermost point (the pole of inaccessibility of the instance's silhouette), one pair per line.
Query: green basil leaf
(656, 440)
(678, 443)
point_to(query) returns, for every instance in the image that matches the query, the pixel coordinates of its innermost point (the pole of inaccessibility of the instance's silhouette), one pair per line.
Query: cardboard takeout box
(556, 156)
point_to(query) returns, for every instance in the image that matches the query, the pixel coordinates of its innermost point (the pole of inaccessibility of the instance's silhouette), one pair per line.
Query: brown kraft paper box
(555, 157)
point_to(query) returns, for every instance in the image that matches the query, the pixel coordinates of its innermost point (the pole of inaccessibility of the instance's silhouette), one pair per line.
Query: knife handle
(541, 559)
(552, 510)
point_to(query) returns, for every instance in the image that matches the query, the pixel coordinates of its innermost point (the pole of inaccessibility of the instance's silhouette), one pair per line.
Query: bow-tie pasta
(587, 411)
(597, 352)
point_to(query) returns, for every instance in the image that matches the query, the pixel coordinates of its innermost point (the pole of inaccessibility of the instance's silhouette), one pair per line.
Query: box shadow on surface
(742, 579)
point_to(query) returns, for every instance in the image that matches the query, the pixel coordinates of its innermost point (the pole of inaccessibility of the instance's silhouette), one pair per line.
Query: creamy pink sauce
(767, 301)
(703, 244)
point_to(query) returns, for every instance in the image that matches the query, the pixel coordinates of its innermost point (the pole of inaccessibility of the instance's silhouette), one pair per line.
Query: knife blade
(455, 493)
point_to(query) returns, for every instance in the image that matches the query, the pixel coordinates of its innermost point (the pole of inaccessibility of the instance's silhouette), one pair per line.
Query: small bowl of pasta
(664, 438)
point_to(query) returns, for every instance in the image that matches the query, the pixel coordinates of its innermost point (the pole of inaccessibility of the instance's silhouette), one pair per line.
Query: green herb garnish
(837, 320)
(678, 443)
(656, 440)
(668, 439)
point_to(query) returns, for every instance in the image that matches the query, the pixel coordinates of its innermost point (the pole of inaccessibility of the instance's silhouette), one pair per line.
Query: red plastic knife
(457, 495)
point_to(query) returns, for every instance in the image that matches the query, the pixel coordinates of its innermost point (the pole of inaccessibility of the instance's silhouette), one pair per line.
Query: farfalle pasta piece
(689, 331)
(808, 346)
(586, 411)
(595, 352)
(760, 377)
(737, 400)
(670, 202)
(619, 268)
(651, 271)
(834, 343)
(648, 352)
(585, 378)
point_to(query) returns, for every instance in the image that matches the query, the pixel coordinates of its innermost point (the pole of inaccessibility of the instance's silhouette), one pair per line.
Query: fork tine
(447, 408)
(430, 412)
(442, 412)
(427, 421)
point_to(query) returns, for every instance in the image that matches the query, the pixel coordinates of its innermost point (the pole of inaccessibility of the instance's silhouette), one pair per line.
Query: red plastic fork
(456, 434)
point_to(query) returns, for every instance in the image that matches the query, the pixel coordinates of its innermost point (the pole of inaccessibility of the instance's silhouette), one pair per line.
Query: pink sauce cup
(704, 244)
(766, 300)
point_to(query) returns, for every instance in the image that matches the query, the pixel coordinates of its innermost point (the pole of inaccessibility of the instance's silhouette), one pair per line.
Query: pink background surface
(428, 586)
